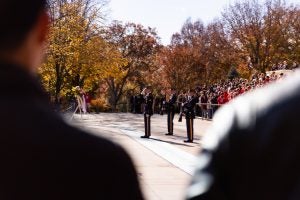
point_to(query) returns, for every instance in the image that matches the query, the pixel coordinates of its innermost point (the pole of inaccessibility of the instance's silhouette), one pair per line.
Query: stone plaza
(165, 164)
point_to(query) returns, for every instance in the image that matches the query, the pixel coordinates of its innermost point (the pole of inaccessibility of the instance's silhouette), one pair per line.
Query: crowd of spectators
(211, 97)
(284, 66)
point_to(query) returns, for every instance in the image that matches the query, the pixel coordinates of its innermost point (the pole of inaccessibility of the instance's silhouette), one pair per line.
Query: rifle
(180, 116)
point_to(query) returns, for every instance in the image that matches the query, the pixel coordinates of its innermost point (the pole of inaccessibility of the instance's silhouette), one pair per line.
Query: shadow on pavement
(184, 137)
(174, 143)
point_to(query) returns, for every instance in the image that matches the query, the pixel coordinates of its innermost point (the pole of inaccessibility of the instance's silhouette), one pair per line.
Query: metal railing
(208, 112)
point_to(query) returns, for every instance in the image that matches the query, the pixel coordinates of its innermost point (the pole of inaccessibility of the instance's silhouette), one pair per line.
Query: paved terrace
(164, 163)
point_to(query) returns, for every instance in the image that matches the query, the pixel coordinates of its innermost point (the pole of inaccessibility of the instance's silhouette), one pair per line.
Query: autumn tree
(74, 45)
(181, 62)
(263, 34)
(220, 56)
(294, 33)
(197, 55)
(244, 24)
(174, 67)
(250, 35)
(136, 46)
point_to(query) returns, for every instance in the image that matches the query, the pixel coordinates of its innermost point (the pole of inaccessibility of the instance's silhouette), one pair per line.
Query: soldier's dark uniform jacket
(189, 112)
(148, 107)
(253, 149)
(171, 103)
(188, 107)
(148, 112)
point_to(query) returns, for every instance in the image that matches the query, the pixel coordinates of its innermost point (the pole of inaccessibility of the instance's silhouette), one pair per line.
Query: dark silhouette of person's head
(17, 18)
(24, 26)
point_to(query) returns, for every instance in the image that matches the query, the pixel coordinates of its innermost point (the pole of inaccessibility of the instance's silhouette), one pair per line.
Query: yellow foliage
(100, 104)
(77, 55)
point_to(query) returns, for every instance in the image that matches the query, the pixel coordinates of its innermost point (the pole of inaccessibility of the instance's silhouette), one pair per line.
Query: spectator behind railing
(211, 97)
(252, 149)
(284, 66)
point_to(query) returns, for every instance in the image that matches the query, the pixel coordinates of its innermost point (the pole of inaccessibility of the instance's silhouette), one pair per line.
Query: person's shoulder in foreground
(252, 150)
(42, 157)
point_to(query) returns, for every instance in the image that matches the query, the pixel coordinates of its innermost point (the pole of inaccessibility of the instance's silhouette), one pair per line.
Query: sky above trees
(168, 16)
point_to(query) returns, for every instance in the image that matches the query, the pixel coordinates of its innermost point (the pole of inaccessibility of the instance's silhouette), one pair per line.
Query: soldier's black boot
(189, 126)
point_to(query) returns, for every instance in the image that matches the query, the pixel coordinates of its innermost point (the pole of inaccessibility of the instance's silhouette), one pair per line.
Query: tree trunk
(58, 82)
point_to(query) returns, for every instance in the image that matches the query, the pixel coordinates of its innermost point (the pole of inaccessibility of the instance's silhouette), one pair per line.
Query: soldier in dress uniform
(170, 104)
(148, 111)
(189, 112)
